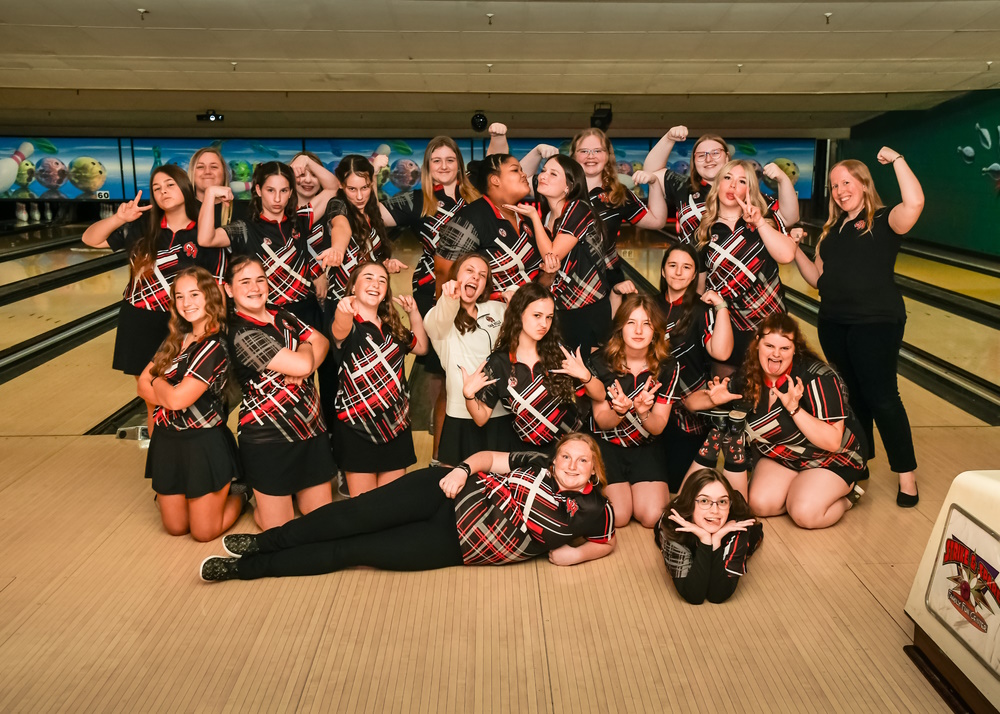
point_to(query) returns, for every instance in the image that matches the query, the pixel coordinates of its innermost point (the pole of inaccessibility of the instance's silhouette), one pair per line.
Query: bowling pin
(8, 166)
(240, 186)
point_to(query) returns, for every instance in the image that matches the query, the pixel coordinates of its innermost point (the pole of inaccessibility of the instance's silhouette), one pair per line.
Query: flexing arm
(208, 235)
(903, 216)
(498, 139)
(811, 270)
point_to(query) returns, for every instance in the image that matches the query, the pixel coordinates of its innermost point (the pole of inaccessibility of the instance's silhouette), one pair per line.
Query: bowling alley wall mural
(60, 168)
(405, 157)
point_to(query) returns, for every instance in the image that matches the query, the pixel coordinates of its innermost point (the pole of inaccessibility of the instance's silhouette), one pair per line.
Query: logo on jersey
(266, 241)
(571, 507)
(859, 224)
(512, 382)
(502, 232)
(191, 250)
(295, 234)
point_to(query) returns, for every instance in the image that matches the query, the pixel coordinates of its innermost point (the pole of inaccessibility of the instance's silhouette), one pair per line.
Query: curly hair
(614, 191)
(215, 309)
(779, 323)
(683, 503)
(464, 322)
(465, 188)
(386, 311)
(754, 198)
(690, 294)
(696, 178)
(860, 173)
(658, 351)
(549, 355)
(362, 222)
(142, 255)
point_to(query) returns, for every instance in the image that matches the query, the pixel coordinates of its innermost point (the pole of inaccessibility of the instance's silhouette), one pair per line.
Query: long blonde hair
(465, 188)
(227, 176)
(595, 452)
(860, 173)
(754, 197)
(613, 188)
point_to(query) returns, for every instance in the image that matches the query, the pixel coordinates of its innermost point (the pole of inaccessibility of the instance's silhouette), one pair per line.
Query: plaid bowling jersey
(373, 397)
(508, 518)
(582, 277)
(629, 431)
(772, 431)
(405, 208)
(369, 248)
(272, 409)
(206, 361)
(175, 251)
(633, 211)
(692, 356)
(688, 205)
(282, 247)
(539, 418)
(742, 271)
(480, 228)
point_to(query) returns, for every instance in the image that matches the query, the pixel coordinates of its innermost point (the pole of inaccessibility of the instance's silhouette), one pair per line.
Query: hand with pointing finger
(131, 210)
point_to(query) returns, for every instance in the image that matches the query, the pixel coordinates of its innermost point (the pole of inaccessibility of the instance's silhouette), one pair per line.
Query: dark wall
(962, 208)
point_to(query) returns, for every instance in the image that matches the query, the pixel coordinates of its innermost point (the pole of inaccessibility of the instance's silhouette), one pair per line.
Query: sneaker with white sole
(215, 569)
(240, 544)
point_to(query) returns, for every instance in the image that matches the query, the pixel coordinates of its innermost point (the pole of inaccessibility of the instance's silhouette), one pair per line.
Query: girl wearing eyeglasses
(706, 536)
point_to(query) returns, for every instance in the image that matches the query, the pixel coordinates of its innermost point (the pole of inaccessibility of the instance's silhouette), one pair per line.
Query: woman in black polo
(159, 247)
(283, 442)
(488, 227)
(526, 374)
(372, 435)
(861, 312)
(492, 509)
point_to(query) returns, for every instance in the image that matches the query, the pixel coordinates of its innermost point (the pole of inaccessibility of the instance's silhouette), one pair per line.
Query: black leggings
(408, 524)
(866, 355)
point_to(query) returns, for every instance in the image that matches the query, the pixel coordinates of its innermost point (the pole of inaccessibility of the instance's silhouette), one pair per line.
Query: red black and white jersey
(272, 408)
(282, 247)
(508, 518)
(629, 431)
(688, 204)
(175, 251)
(633, 211)
(206, 361)
(582, 277)
(359, 250)
(742, 271)
(510, 251)
(772, 431)
(539, 416)
(373, 397)
(405, 209)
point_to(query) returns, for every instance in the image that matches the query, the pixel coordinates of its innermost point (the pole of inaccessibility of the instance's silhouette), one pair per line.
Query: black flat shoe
(905, 500)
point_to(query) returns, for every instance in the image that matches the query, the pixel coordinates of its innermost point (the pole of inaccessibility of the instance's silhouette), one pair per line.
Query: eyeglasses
(705, 503)
(703, 155)
(591, 152)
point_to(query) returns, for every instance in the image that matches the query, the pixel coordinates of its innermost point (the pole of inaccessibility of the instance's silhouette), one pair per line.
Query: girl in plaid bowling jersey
(158, 249)
(192, 456)
(371, 435)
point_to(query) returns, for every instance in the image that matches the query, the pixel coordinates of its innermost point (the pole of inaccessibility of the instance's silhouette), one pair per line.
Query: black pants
(408, 524)
(865, 356)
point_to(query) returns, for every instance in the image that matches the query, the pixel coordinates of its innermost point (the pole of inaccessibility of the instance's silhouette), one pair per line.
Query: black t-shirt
(859, 265)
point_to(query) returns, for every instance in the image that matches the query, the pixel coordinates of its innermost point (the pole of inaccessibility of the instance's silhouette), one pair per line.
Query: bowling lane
(32, 316)
(9, 241)
(965, 282)
(29, 266)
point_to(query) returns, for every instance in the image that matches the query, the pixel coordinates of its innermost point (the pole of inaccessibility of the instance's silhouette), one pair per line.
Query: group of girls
(538, 336)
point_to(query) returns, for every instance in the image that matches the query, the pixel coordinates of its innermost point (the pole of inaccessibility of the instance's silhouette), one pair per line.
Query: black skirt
(461, 438)
(140, 334)
(356, 454)
(586, 327)
(679, 449)
(633, 464)
(281, 468)
(191, 462)
(430, 361)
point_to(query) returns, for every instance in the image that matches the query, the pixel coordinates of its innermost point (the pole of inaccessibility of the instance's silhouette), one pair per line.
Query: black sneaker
(215, 569)
(856, 493)
(240, 544)
(240, 488)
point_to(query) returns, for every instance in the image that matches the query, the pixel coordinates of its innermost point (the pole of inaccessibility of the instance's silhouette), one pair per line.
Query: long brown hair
(464, 322)
(696, 178)
(143, 252)
(215, 309)
(576, 191)
(386, 310)
(465, 188)
(860, 173)
(658, 351)
(683, 503)
(261, 174)
(362, 222)
(614, 191)
(549, 354)
(780, 323)
(754, 197)
(690, 294)
(600, 477)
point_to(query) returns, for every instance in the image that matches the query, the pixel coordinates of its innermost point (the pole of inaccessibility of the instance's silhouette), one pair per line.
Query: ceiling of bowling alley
(421, 66)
